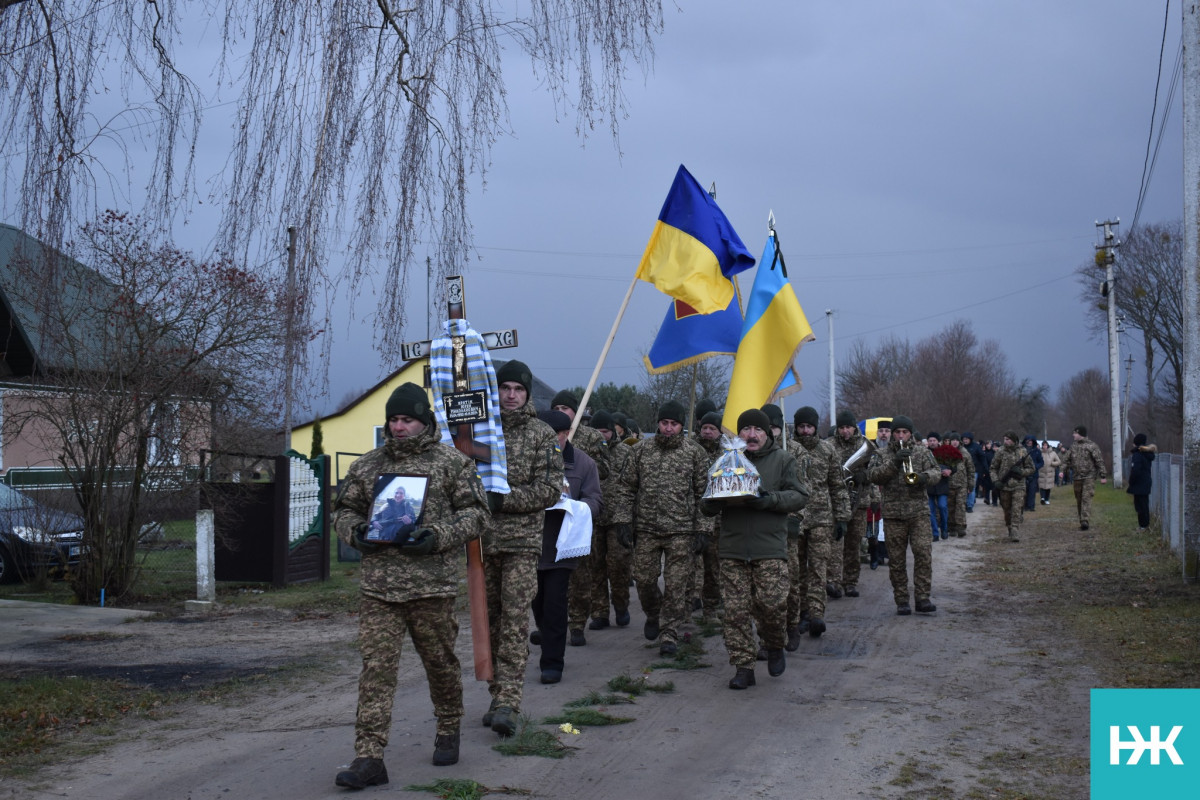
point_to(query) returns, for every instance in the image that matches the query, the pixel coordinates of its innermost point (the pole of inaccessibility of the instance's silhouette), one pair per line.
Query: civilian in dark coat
(1141, 480)
(1031, 482)
(553, 577)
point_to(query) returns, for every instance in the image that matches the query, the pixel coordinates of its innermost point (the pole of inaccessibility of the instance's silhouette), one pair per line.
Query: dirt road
(984, 698)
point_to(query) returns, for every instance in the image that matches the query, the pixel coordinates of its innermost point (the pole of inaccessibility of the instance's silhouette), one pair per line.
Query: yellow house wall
(353, 431)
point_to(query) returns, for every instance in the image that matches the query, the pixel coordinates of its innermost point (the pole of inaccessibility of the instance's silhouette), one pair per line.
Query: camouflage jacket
(454, 508)
(591, 441)
(803, 460)
(664, 479)
(828, 500)
(963, 478)
(1085, 461)
(862, 487)
(535, 478)
(1010, 467)
(713, 448)
(610, 487)
(901, 501)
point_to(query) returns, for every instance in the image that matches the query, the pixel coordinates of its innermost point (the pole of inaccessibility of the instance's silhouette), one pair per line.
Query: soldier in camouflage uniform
(906, 513)
(611, 562)
(1086, 463)
(706, 577)
(753, 550)
(410, 586)
(826, 518)
(845, 562)
(665, 477)
(796, 623)
(1010, 467)
(512, 540)
(589, 440)
(961, 484)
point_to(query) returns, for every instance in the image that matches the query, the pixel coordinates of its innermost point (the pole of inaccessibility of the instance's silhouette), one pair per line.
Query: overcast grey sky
(925, 162)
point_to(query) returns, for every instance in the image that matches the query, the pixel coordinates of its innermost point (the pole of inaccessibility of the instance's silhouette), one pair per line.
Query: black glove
(710, 506)
(875, 508)
(839, 531)
(419, 543)
(922, 479)
(861, 478)
(899, 456)
(495, 501)
(360, 540)
(762, 502)
(625, 535)
(699, 542)
(793, 526)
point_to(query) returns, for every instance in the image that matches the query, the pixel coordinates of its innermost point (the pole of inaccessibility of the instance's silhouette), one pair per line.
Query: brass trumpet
(859, 457)
(910, 475)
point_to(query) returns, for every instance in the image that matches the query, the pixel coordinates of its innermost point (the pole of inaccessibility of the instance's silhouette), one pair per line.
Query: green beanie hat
(846, 419)
(565, 398)
(411, 401)
(517, 372)
(774, 415)
(901, 421)
(807, 415)
(672, 410)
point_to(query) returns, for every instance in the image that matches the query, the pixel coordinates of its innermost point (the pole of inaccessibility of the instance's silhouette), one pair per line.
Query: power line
(1147, 162)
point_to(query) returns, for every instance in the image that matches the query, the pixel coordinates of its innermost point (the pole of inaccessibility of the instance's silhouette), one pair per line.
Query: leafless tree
(711, 378)
(1084, 400)
(360, 114)
(141, 357)
(1148, 273)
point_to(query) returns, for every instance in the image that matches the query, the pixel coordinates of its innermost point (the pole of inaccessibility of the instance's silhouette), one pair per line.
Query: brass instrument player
(903, 471)
(854, 451)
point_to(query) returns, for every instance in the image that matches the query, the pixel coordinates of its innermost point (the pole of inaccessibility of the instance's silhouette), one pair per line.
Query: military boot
(742, 679)
(650, 629)
(1012, 534)
(504, 721)
(793, 640)
(816, 626)
(491, 713)
(445, 749)
(361, 773)
(776, 662)
(804, 622)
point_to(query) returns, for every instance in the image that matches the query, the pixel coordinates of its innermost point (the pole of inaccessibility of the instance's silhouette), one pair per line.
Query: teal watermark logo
(1144, 742)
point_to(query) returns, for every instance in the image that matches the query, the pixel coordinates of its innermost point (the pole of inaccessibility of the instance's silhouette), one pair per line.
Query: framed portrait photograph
(397, 508)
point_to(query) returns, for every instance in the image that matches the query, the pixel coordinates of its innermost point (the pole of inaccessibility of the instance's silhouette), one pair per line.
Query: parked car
(35, 538)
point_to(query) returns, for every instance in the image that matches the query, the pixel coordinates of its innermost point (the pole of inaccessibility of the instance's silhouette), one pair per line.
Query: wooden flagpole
(587, 393)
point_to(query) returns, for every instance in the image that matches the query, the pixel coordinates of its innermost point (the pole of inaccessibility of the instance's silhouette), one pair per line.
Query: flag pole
(587, 393)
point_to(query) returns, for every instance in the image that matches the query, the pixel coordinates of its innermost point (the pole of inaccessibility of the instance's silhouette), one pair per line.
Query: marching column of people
(771, 560)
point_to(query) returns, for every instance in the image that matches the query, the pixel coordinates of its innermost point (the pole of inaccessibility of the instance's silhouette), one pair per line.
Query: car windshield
(12, 500)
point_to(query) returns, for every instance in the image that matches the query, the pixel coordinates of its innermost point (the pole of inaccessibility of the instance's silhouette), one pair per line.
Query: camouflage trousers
(668, 554)
(611, 564)
(1085, 490)
(579, 594)
(1013, 506)
(705, 579)
(957, 510)
(900, 535)
(755, 594)
(511, 580)
(845, 563)
(795, 581)
(813, 555)
(431, 624)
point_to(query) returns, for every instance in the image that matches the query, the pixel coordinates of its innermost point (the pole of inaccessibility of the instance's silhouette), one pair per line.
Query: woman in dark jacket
(1140, 479)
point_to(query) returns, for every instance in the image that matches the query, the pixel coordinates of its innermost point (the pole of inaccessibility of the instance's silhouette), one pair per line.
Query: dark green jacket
(750, 534)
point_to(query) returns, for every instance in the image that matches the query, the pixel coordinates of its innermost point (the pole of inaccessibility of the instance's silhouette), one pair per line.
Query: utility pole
(1191, 292)
(832, 372)
(1106, 256)
(1128, 384)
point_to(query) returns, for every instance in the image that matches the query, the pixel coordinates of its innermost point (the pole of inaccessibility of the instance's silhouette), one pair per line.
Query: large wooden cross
(463, 408)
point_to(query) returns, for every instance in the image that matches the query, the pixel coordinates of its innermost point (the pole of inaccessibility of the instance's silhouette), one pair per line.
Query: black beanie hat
(774, 413)
(705, 406)
(411, 401)
(756, 417)
(602, 419)
(565, 398)
(557, 420)
(672, 410)
(711, 418)
(1139, 440)
(517, 372)
(846, 419)
(1081, 430)
(901, 421)
(807, 415)
(933, 435)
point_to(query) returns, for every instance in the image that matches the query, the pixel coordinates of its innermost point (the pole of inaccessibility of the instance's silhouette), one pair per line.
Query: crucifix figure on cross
(463, 384)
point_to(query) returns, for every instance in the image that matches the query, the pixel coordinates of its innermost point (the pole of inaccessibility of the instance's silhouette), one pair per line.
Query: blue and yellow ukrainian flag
(693, 251)
(774, 330)
(687, 336)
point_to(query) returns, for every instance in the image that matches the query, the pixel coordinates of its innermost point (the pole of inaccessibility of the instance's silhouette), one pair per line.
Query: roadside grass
(461, 789)
(530, 740)
(1119, 593)
(39, 714)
